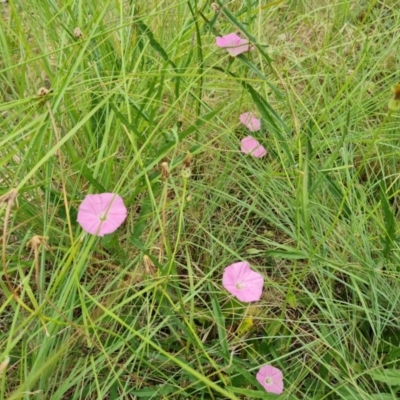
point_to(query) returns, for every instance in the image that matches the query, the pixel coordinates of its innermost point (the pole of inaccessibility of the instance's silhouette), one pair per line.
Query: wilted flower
(241, 281)
(101, 214)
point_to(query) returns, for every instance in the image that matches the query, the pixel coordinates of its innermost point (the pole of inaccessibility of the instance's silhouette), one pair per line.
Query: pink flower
(100, 214)
(241, 281)
(271, 379)
(250, 121)
(233, 43)
(252, 146)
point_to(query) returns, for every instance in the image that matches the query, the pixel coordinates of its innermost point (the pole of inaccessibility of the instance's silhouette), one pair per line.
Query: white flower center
(239, 286)
(268, 380)
(103, 217)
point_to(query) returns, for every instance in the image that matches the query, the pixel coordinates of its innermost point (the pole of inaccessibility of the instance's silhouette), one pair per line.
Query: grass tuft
(135, 98)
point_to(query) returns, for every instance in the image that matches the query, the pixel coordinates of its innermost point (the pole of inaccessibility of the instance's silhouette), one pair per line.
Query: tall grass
(141, 313)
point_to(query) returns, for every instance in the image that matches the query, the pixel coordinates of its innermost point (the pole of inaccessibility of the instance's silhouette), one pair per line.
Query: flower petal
(233, 43)
(91, 226)
(241, 281)
(271, 379)
(101, 214)
(250, 121)
(227, 40)
(252, 146)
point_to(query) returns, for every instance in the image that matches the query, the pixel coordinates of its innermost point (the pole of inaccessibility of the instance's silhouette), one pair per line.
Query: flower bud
(4, 364)
(186, 173)
(394, 104)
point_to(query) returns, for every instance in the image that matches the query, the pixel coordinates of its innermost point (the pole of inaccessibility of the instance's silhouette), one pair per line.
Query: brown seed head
(188, 160)
(164, 171)
(9, 198)
(215, 7)
(43, 92)
(78, 33)
(37, 241)
(397, 92)
(149, 267)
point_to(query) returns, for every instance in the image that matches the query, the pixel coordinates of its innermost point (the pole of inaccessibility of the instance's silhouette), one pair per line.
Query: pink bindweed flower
(241, 281)
(250, 121)
(271, 379)
(252, 146)
(100, 214)
(233, 43)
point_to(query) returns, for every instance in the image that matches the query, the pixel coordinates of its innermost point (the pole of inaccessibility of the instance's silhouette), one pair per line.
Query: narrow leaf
(252, 394)
(145, 30)
(289, 254)
(184, 134)
(337, 192)
(390, 376)
(389, 221)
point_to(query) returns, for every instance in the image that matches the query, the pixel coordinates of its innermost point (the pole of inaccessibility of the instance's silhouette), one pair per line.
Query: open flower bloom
(252, 146)
(250, 121)
(241, 281)
(233, 43)
(271, 379)
(100, 214)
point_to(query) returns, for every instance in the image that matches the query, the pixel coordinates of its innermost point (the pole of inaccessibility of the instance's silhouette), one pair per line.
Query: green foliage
(142, 312)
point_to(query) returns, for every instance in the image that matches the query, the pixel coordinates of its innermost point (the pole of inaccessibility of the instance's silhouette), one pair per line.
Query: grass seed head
(188, 160)
(43, 92)
(164, 171)
(215, 7)
(149, 266)
(36, 241)
(78, 33)
(9, 198)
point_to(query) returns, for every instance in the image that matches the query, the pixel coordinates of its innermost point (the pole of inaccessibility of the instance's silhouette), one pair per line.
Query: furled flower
(250, 121)
(241, 281)
(100, 214)
(271, 379)
(233, 43)
(394, 104)
(252, 146)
